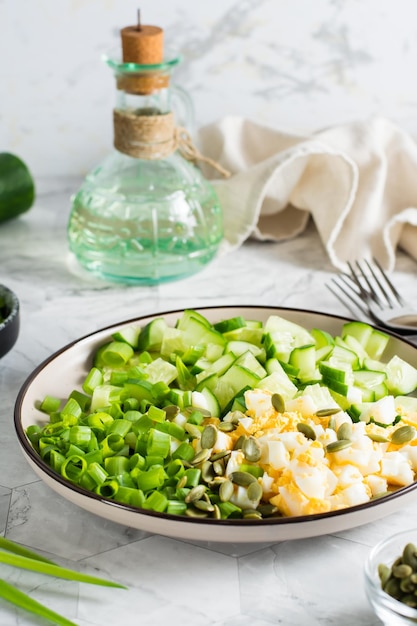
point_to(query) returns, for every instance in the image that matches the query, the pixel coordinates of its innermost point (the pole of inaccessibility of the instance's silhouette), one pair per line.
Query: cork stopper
(142, 45)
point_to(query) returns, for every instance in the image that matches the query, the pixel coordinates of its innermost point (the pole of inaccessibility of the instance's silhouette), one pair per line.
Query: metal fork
(369, 289)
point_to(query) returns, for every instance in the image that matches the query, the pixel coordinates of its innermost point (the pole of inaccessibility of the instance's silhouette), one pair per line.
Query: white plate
(66, 369)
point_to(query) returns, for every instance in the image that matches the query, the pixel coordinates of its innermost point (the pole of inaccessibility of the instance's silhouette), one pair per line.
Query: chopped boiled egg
(301, 476)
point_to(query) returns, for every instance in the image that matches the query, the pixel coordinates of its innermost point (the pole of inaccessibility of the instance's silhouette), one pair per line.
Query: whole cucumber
(17, 188)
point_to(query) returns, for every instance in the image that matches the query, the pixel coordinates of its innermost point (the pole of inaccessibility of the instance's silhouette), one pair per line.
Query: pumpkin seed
(306, 430)
(216, 512)
(207, 471)
(208, 436)
(193, 512)
(409, 556)
(203, 505)
(182, 482)
(393, 589)
(251, 514)
(278, 402)
(242, 478)
(332, 423)
(410, 601)
(251, 449)
(234, 417)
(226, 491)
(406, 585)
(254, 492)
(403, 434)
(196, 493)
(227, 427)
(171, 411)
(201, 456)
(384, 572)
(239, 442)
(377, 438)
(400, 581)
(338, 445)
(218, 468)
(402, 571)
(344, 431)
(192, 430)
(267, 509)
(217, 482)
(327, 412)
(220, 455)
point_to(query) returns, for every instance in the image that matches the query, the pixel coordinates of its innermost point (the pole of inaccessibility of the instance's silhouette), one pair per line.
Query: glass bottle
(145, 220)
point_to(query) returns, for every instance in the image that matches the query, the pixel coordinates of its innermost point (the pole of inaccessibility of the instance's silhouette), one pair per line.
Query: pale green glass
(145, 221)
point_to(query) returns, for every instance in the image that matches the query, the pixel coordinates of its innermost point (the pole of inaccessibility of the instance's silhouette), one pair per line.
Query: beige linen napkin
(357, 181)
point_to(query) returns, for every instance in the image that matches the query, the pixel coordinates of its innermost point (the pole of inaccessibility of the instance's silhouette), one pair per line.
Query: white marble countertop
(296, 583)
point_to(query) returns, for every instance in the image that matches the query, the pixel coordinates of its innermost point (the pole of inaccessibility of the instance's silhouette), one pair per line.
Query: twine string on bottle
(154, 137)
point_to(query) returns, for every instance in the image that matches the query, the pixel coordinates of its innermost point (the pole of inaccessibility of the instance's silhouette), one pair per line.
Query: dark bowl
(9, 319)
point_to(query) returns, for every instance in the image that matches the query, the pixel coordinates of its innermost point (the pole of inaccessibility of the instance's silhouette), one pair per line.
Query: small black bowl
(9, 319)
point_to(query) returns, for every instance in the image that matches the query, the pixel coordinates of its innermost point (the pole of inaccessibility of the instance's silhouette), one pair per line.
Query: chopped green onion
(193, 475)
(80, 436)
(72, 408)
(156, 501)
(120, 427)
(83, 399)
(117, 353)
(184, 452)
(73, 468)
(50, 404)
(176, 507)
(156, 414)
(108, 489)
(112, 444)
(99, 421)
(97, 473)
(158, 444)
(94, 379)
(153, 478)
(116, 465)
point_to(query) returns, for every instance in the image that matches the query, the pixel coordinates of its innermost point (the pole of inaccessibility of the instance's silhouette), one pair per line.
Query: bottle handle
(183, 108)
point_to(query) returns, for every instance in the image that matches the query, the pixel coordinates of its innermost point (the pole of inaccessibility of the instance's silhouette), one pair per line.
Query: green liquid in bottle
(145, 222)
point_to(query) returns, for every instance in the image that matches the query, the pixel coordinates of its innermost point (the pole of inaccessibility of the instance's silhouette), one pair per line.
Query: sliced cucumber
(250, 362)
(401, 376)
(223, 360)
(219, 367)
(240, 347)
(191, 314)
(129, 335)
(322, 338)
(231, 324)
(376, 344)
(360, 330)
(152, 334)
(368, 379)
(304, 359)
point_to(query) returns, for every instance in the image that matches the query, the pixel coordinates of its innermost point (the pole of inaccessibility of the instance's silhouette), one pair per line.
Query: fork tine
(370, 286)
(355, 277)
(352, 298)
(388, 282)
(370, 290)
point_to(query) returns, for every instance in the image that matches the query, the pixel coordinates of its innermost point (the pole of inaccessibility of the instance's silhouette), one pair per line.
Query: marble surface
(296, 583)
(295, 65)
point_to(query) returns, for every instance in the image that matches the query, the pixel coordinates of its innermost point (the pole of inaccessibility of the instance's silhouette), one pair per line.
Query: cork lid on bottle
(142, 45)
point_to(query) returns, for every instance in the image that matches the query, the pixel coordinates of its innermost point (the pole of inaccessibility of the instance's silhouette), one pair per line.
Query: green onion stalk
(15, 555)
